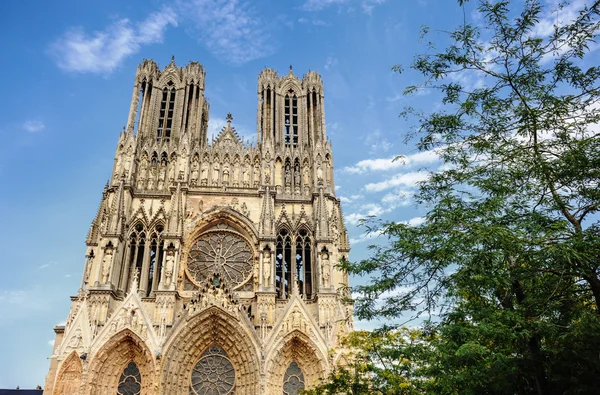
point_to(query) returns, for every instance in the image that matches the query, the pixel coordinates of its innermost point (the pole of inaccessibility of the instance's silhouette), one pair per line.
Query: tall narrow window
(293, 380)
(161, 116)
(138, 113)
(303, 263)
(170, 111)
(294, 120)
(130, 382)
(286, 130)
(189, 108)
(283, 269)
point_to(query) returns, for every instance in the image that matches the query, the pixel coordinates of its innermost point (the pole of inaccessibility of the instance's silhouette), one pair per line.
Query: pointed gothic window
(213, 374)
(294, 120)
(161, 116)
(293, 380)
(169, 124)
(283, 268)
(130, 382)
(286, 131)
(303, 263)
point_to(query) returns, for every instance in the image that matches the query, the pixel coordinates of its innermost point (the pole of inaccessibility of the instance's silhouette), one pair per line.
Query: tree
(509, 251)
(381, 362)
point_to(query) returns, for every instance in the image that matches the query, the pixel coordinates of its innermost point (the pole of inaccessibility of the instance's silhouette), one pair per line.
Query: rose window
(293, 380)
(223, 252)
(213, 374)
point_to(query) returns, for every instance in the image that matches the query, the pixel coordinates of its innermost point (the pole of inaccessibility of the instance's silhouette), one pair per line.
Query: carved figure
(306, 175)
(204, 176)
(319, 173)
(194, 177)
(169, 265)
(267, 268)
(297, 175)
(215, 173)
(325, 269)
(256, 173)
(106, 265)
(287, 178)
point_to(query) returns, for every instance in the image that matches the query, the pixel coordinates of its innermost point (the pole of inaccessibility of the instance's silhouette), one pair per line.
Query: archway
(69, 378)
(110, 361)
(296, 348)
(193, 337)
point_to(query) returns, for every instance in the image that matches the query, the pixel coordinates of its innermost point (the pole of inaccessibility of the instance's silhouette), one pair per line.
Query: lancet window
(130, 382)
(165, 117)
(293, 380)
(291, 119)
(213, 374)
(155, 261)
(293, 264)
(137, 246)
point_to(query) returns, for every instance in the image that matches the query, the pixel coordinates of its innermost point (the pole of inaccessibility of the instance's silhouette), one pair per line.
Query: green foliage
(507, 260)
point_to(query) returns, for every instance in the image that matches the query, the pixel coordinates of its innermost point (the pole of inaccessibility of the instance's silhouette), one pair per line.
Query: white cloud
(317, 5)
(406, 179)
(230, 29)
(330, 63)
(385, 164)
(365, 236)
(103, 51)
(368, 5)
(416, 221)
(51, 343)
(315, 22)
(34, 126)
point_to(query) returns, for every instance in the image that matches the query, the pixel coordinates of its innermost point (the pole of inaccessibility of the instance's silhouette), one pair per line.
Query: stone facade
(210, 264)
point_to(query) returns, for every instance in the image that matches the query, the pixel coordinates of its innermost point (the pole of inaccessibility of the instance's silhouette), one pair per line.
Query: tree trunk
(595, 286)
(540, 373)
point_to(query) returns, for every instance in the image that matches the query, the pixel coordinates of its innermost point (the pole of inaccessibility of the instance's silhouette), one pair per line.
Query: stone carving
(107, 265)
(267, 268)
(325, 269)
(169, 266)
(194, 176)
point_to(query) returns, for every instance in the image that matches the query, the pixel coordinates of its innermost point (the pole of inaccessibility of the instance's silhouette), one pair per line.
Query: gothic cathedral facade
(210, 265)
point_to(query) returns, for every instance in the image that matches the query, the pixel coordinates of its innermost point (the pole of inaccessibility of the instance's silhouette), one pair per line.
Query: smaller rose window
(293, 380)
(213, 374)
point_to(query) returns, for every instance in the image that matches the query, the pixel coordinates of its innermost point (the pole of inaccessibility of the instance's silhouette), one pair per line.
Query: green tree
(509, 251)
(381, 362)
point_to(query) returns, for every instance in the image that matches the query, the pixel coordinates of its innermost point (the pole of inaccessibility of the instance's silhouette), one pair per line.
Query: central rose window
(221, 251)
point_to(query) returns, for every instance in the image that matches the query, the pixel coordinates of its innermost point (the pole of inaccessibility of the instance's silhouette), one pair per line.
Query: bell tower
(216, 250)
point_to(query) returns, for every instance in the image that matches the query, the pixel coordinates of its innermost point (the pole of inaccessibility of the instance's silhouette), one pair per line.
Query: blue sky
(69, 69)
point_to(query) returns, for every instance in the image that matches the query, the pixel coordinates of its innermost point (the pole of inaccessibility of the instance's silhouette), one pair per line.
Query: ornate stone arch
(69, 376)
(193, 336)
(108, 363)
(297, 347)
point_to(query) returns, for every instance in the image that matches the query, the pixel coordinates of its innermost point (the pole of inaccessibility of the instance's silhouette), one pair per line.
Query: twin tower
(210, 265)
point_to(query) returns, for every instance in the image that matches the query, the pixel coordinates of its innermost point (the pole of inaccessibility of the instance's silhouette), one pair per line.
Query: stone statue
(256, 174)
(215, 173)
(106, 265)
(127, 162)
(267, 268)
(194, 177)
(75, 341)
(297, 175)
(268, 174)
(325, 269)
(319, 173)
(169, 266)
(246, 176)
(171, 177)
(88, 269)
(162, 174)
(288, 176)
(143, 174)
(306, 176)
(226, 174)
(204, 175)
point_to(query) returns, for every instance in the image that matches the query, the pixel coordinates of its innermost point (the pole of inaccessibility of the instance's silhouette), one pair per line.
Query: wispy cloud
(406, 180)
(230, 29)
(103, 51)
(330, 63)
(367, 6)
(386, 164)
(34, 126)
(314, 22)
(318, 5)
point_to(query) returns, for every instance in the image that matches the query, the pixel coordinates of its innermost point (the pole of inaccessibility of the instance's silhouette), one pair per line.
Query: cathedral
(210, 266)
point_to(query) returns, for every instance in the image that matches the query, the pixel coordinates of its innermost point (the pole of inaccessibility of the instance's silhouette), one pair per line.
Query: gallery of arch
(210, 265)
